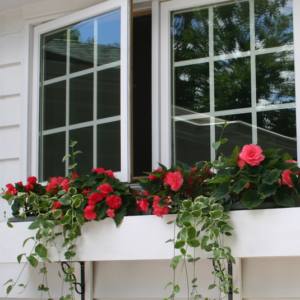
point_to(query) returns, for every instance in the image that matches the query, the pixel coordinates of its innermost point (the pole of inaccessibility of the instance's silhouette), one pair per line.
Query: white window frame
(165, 69)
(124, 174)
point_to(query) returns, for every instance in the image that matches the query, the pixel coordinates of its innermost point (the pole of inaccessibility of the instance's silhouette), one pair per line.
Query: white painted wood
(237, 279)
(89, 280)
(147, 279)
(10, 142)
(10, 79)
(257, 233)
(9, 173)
(10, 49)
(10, 111)
(10, 21)
(271, 278)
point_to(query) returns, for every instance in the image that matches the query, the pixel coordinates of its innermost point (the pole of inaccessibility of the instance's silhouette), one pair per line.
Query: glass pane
(231, 28)
(273, 23)
(275, 78)
(82, 46)
(190, 34)
(81, 99)
(54, 109)
(55, 54)
(84, 138)
(238, 132)
(109, 146)
(277, 129)
(192, 141)
(232, 83)
(108, 38)
(108, 97)
(192, 88)
(54, 147)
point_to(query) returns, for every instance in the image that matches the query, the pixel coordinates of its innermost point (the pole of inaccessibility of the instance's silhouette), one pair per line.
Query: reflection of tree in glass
(231, 28)
(192, 87)
(273, 23)
(275, 78)
(232, 83)
(190, 34)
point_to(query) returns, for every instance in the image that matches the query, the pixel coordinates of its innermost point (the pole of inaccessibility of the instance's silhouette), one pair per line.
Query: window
(230, 61)
(83, 94)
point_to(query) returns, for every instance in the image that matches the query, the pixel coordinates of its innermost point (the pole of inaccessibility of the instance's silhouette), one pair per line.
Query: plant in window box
(254, 177)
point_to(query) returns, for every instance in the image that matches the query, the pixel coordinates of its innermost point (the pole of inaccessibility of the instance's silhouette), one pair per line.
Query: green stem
(223, 128)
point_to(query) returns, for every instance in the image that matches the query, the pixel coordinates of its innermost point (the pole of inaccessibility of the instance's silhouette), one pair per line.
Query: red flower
(32, 180)
(11, 189)
(55, 182)
(175, 180)
(109, 173)
(85, 192)
(110, 213)
(286, 178)
(29, 187)
(291, 161)
(114, 202)
(151, 177)
(74, 176)
(89, 213)
(252, 155)
(142, 205)
(105, 189)
(241, 163)
(56, 205)
(247, 185)
(94, 198)
(159, 211)
(145, 193)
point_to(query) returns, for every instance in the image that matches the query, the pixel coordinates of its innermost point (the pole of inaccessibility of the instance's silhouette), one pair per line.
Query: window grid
(211, 59)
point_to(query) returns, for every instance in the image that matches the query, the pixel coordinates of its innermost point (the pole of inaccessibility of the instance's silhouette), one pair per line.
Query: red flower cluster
(29, 186)
(252, 155)
(74, 176)
(175, 180)
(162, 176)
(109, 173)
(11, 189)
(56, 182)
(159, 211)
(142, 205)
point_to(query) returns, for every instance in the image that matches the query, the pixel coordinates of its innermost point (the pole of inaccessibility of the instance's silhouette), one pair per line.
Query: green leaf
(9, 288)
(170, 222)
(223, 141)
(80, 219)
(203, 219)
(65, 157)
(186, 223)
(225, 217)
(197, 213)
(32, 260)
(221, 179)
(46, 260)
(170, 283)
(216, 207)
(194, 243)
(194, 280)
(34, 225)
(216, 145)
(226, 228)
(272, 177)
(251, 199)
(284, 199)
(65, 200)
(217, 253)
(295, 182)
(183, 251)
(119, 215)
(222, 191)
(191, 232)
(239, 185)
(179, 244)
(212, 286)
(8, 281)
(215, 215)
(176, 259)
(187, 204)
(41, 250)
(30, 238)
(270, 152)
(72, 166)
(9, 224)
(19, 257)
(266, 190)
(204, 241)
(65, 219)
(176, 288)
(72, 191)
(57, 213)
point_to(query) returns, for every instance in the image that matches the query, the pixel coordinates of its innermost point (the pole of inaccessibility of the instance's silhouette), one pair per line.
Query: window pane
(191, 140)
(231, 28)
(54, 109)
(109, 146)
(277, 129)
(82, 46)
(81, 99)
(273, 23)
(108, 90)
(108, 38)
(55, 54)
(232, 83)
(54, 146)
(238, 133)
(84, 138)
(275, 77)
(190, 34)
(192, 87)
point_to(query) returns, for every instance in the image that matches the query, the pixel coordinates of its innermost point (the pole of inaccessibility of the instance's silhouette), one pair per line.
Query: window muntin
(232, 62)
(80, 97)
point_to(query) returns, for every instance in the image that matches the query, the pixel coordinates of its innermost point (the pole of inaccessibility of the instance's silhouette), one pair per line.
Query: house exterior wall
(260, 278)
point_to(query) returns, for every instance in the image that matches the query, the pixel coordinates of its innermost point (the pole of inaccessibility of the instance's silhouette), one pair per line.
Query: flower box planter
(257, 233)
